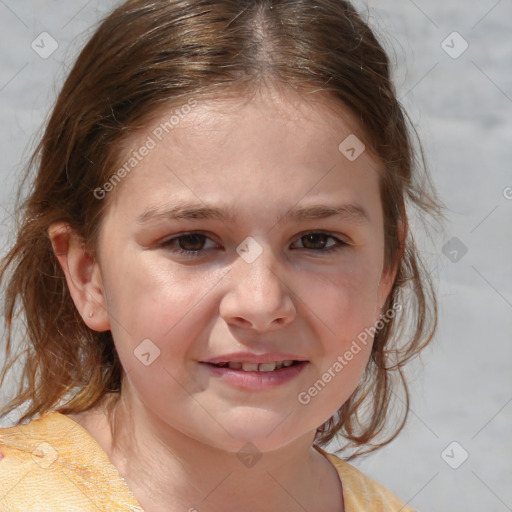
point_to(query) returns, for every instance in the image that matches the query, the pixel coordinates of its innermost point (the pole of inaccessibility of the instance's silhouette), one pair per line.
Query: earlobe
(83, 275)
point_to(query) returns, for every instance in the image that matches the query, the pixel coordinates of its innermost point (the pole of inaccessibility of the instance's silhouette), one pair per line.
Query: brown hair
(147, 55)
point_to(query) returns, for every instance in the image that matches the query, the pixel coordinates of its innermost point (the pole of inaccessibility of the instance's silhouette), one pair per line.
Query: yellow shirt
(53, 464)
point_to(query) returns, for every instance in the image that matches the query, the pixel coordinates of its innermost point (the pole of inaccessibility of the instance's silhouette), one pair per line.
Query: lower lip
(256, 380)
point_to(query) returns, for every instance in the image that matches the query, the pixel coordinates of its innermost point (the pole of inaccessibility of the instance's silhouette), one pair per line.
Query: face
(240, 260)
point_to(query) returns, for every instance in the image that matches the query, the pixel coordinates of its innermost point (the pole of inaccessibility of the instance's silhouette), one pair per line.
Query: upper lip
(248, 357)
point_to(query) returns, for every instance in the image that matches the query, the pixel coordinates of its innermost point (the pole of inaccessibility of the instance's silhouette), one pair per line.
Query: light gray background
(463, 110)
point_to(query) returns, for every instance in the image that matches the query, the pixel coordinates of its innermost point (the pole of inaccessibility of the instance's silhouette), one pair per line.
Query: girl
(214, 266)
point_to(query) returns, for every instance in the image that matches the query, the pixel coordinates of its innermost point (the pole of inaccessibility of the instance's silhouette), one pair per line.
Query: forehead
(252, 121)
(268, 150)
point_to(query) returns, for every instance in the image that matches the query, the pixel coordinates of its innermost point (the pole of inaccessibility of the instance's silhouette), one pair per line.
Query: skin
(261, 157)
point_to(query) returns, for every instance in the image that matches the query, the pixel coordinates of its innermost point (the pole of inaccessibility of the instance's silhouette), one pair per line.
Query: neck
(168, 470)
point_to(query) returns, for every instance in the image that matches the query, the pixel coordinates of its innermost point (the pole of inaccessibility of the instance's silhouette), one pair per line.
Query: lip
(249, 357)
(255, 380)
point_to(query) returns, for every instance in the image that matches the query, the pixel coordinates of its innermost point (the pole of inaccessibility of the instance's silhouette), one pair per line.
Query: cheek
(346, 299)
(343, 307)
(148, 300)
(156, 327)
(344, 315)
(144, 295)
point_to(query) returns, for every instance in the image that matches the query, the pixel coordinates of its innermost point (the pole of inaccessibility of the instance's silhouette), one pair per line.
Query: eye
(319, 242)
(189, 244)
(195, 244)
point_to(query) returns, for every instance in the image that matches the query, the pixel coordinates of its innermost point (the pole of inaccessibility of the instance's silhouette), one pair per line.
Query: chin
(260, 431)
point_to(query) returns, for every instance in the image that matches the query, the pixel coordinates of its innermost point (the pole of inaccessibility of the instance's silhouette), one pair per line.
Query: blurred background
(453, 71)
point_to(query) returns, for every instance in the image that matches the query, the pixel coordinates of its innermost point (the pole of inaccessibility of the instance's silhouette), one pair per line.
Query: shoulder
(54, 459)
(361, 493)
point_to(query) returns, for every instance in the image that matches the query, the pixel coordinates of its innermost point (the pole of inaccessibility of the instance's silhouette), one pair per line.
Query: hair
(148, 55)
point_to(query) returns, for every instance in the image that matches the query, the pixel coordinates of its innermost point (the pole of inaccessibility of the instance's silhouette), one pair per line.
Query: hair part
(147, 56)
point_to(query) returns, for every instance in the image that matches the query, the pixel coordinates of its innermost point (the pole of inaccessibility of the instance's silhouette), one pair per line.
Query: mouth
(271, 366)
(252, 372)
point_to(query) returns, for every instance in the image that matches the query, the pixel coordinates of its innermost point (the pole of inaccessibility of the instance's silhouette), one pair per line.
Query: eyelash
(194, 254)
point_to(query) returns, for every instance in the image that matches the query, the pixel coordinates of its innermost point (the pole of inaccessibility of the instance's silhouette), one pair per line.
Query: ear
(83, 275)
(389, 275)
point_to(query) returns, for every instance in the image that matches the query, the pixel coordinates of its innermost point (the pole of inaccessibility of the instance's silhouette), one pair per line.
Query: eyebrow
(349, 212)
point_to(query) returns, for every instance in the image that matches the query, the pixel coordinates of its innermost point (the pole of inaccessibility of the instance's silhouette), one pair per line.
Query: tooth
(250, 367)
(279, 365)
(267, 367)
(287, 363)
(235, 366)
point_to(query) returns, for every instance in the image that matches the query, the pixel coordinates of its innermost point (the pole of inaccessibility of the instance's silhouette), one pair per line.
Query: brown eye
(320, 242)
(191, 243)
(315, 240)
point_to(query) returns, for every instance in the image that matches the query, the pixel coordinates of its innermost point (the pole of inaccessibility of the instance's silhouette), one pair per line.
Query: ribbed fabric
(53, 464)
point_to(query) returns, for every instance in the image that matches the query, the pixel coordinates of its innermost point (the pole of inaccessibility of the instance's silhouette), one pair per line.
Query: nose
(258, 295)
